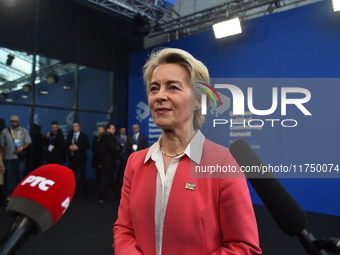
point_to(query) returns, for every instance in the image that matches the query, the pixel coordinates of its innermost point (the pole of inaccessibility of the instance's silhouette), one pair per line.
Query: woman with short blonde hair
(196, 69)
(164, 209)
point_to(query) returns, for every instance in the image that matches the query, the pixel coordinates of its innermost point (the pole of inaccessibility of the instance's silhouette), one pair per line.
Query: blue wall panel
(57, 96)
(6, 111)
(95, 95)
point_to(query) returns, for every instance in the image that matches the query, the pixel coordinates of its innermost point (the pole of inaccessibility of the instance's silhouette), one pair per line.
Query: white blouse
(164, 181)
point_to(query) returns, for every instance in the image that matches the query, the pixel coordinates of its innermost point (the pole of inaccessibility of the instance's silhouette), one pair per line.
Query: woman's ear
(198, 103)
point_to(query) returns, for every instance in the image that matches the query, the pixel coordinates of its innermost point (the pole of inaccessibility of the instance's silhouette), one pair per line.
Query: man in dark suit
(77, 144)
(96, 154)
(137, 141)
(54, 145)
(122, 139)
(109, 154)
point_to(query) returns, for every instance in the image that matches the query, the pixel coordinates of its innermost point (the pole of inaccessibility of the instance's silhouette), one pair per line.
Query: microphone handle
(307, 241)
(331, 244)
(21, 229)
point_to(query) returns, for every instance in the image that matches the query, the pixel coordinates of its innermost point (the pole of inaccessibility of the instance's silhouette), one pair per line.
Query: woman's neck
(175, 142)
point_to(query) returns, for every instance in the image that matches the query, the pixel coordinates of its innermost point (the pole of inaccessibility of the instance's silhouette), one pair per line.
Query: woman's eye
(172, 87)
(153, 88)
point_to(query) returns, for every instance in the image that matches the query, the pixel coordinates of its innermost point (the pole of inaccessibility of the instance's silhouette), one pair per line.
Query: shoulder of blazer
(138, 156)
(215, 147)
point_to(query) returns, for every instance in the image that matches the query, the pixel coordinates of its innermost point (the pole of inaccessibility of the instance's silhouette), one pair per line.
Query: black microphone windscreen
(287, 213)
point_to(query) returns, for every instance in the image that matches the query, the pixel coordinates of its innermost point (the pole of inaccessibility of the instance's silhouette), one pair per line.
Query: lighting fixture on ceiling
(26, 88)
(336, 5)
(140, 26)
(52, 79)
(227, 28)
(10, 59)
(3, 95)
(270, 8)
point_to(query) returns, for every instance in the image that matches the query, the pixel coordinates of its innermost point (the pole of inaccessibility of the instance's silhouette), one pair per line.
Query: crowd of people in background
(22, 152)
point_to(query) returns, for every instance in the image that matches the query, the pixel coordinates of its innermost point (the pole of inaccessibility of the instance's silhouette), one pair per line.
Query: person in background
(109, 154)
(96, 154)
(54, 145)
(2, 167)
(136, 141)
(121, 138)
(37, 149)
(2, 124)
(2, 171)
(163, 210)
(14, 142)
(77, 144)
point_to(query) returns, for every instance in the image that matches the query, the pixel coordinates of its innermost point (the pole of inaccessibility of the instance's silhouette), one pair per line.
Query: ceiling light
(9, 60)
(270, 9)
(140, 26)
(227, 28)
(3, 95)
(336, 5)
(26, 88)
(44, 92)
(52, 79)
(24, 96)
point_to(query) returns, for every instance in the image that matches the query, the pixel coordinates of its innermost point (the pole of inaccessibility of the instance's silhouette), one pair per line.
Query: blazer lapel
(143, 205)
(177, 202)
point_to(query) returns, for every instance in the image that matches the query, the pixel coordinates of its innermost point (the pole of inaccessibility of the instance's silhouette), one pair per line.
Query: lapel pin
(191, 186)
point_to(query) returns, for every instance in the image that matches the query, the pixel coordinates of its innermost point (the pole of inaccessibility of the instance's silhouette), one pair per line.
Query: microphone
(37, 203)
(287, 213)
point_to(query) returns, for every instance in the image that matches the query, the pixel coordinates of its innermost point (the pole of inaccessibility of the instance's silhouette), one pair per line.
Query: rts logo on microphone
(42, 183)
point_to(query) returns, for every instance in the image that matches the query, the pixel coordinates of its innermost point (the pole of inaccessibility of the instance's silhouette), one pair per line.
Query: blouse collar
(193, 150)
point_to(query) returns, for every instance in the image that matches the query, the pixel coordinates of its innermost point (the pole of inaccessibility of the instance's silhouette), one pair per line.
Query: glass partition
(55, 83)
(42, 88)
(15, 76)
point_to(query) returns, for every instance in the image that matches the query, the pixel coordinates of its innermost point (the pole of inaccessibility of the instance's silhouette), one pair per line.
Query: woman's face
(171, 100)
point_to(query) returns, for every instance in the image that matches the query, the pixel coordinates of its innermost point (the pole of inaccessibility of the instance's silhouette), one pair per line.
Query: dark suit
(123, 158)
(54, 148)
(122, 141)
(77, 159)
(95, 158)
(109, 151)
(141, 142)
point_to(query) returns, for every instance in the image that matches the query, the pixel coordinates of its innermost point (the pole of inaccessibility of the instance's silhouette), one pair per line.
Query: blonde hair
(195, 68)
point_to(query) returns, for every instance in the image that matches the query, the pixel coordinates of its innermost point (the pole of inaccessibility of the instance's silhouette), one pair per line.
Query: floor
(86, 228)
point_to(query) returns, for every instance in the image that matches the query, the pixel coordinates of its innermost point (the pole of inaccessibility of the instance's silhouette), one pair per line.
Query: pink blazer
(215, 218)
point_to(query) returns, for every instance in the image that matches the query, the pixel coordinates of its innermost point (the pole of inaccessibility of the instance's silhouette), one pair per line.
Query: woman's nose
(161, 95)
